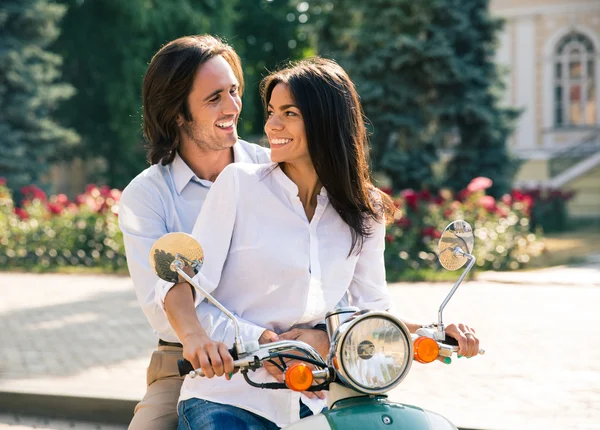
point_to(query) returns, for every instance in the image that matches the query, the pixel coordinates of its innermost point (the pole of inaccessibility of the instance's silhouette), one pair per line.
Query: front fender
(378, 413)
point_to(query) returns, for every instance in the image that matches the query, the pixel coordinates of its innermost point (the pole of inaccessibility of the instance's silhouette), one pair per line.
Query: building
(551, 49)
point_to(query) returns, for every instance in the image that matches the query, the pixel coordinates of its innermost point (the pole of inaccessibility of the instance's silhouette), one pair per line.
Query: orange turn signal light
(426, 349)
(298, 377)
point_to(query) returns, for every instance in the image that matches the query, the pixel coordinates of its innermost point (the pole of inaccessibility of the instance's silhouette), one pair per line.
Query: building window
(574, 83)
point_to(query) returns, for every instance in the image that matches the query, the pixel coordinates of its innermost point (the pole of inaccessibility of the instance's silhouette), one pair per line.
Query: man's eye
(214, 99)
(234, 91)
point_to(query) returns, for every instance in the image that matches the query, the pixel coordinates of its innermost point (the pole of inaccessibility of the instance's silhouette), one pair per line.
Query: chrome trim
(335, 353)
(337, 317)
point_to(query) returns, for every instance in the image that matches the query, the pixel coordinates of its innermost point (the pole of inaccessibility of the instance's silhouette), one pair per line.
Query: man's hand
(468, 343)
(212, 357)
(318, 339)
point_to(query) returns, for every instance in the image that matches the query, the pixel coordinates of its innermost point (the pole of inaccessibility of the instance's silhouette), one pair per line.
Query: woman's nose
(273, 123)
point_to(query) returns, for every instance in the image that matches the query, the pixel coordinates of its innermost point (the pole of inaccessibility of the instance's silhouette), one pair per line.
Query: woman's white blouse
(268, 264)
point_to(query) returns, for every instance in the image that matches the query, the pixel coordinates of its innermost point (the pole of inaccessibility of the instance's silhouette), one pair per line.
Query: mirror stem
(239, 344)
(440, 334)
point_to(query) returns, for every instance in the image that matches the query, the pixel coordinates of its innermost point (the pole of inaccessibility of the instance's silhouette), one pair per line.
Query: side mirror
(455, 247)
(457, 240)
(170, 254)
(171, 247)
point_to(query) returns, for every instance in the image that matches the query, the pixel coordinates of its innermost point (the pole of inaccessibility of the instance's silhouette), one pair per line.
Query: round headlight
(373, 352)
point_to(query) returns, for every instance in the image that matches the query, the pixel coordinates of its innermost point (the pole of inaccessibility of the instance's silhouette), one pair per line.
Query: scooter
(371, 351)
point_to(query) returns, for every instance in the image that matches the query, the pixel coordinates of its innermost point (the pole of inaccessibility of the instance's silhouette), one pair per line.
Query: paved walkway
(85, 336)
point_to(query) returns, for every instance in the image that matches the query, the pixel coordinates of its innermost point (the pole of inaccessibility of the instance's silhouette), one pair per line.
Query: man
(192, 101)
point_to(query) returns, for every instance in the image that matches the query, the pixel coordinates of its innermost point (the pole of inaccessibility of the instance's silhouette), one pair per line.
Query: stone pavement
(85, 336)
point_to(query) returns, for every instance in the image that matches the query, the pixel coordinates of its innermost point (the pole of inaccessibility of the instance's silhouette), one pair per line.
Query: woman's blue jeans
(196, 414)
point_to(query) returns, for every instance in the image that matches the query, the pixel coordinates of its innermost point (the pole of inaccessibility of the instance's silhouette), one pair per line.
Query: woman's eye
(233, 91)
(269, 113)
(288, 113)
(214, 99)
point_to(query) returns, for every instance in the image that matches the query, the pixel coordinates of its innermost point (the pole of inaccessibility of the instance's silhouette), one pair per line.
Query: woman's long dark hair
(167, 85)
(337, 140)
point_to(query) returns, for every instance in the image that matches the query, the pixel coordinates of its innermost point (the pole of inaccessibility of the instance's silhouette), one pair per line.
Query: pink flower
(31, 192)
(431, 232)
(389, 238)
(507, 199)
(479, 184)
(62, 199)
(488, 203)
(387, 190)
(411, 198)
(55, 208)
(21, 213)
(2, 182)
(403, 222)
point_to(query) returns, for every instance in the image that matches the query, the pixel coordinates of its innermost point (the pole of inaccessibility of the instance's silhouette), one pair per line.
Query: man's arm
(142, 221)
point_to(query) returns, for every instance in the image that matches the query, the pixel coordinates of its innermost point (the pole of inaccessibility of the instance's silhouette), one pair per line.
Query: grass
(567, 248)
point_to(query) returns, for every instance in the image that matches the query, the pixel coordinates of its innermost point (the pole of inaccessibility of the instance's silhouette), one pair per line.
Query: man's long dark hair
(167, 85)
(337, 140)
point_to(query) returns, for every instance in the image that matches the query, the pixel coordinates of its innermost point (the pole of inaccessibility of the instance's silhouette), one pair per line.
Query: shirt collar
(182, 174)
(288, 185)
(240, 155)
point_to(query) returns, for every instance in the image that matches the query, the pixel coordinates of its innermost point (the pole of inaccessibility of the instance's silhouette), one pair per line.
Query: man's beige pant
(158, 408)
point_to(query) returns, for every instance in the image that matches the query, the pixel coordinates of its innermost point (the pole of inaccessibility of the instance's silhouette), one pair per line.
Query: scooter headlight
(372, 352)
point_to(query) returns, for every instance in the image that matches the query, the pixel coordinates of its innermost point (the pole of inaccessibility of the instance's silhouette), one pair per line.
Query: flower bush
(49, 233)
(549, 208)
(504, 239)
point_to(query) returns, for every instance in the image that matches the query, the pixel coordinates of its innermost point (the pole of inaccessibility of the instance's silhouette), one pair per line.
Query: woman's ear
(179, 120)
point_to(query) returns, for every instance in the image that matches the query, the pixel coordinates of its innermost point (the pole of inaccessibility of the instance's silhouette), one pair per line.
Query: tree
(282, 36)
(425, 74)
(470, 95)
(107, 46)
(30, 90)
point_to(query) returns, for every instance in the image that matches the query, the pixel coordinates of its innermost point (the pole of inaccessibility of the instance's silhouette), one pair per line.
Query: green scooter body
(374, 413)
(380, 413)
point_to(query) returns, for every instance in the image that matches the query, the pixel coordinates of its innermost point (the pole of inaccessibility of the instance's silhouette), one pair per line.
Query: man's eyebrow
(214, 93)
(219, 91)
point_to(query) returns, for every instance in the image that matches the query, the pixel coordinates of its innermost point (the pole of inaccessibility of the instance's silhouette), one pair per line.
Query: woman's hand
(468, 342)
(212, 357)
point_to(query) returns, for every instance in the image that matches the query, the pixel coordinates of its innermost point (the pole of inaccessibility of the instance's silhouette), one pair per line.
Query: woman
(292, 239)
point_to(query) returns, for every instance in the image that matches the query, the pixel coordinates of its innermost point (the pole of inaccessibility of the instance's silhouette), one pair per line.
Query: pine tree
(425, 74)
(470, 94)
(30, 90)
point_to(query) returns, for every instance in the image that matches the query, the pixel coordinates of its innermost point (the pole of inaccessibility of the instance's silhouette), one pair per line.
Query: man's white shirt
(164, 199)
(271, 266)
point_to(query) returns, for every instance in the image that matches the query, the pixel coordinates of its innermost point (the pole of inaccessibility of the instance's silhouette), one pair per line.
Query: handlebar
(253, 359)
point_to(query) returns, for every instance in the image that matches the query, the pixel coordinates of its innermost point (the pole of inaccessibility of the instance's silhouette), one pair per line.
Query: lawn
(568, 248)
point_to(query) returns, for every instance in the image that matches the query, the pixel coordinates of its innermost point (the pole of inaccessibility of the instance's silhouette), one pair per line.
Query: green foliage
(281, 37)
(47, 235)
(30, 90)
(503, 235)
(427, 80)
(549, 208)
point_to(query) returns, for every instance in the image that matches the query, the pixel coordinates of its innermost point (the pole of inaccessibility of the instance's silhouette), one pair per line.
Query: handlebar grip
(185, 367)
